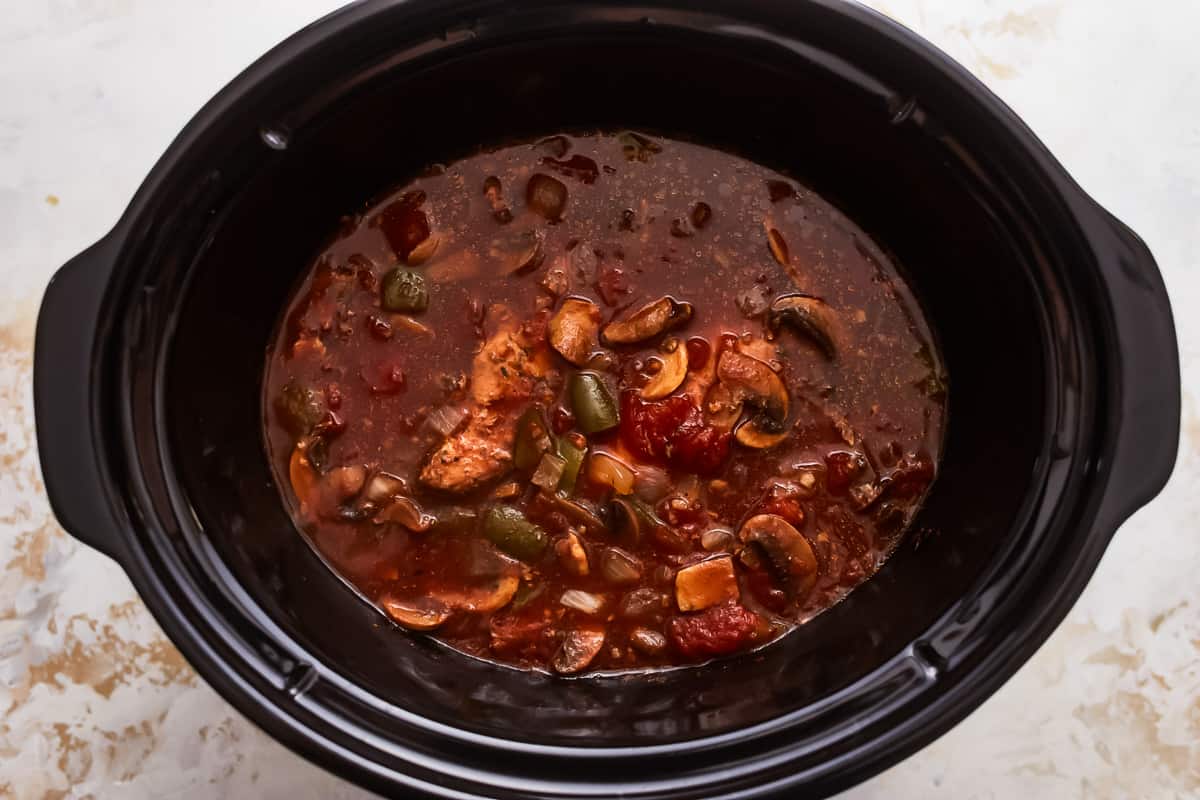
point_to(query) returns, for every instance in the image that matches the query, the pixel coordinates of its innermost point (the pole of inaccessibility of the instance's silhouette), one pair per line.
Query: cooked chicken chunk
(479, 452)
(507, 367)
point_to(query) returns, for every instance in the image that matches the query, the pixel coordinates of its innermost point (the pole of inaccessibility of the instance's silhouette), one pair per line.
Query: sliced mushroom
(626, 522)
(493, 595)
(761, 432)
(810, 317)
(576, 512)
(303, 479)
(649, 320)
(574, 330)
(787, 552)
(751, 382)
(413, 616)
(722, 407)
(424, 251)
(493, 580)
(406, 512)
(411, 325)
(776, 243)
(578, 649)
(674, 370)
(706, 584)
(632, 519)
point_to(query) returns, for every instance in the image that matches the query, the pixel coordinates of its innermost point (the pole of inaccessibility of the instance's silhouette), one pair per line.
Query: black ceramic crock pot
(1064, 400)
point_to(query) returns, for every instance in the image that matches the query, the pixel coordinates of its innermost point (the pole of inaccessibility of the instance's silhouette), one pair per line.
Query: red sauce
(742, 381)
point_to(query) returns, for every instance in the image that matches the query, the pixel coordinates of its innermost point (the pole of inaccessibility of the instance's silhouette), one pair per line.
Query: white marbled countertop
(94, 702)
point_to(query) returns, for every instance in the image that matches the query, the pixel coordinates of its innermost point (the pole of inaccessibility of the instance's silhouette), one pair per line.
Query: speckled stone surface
(94, 702)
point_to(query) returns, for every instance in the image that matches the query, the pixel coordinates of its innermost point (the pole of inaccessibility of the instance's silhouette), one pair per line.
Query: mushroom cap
(648, 321)
(810, 317)
(674, 370)
(748, 381)
(789, 554)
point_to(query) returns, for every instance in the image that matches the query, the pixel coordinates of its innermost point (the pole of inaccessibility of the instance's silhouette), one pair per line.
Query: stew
(603, 402)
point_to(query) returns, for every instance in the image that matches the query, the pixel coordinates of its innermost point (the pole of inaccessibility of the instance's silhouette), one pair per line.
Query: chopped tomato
(672, 431)
(912, 476)
(762, 586)
(841, 468)
(404, 223)
(784, 501)
(716, 631)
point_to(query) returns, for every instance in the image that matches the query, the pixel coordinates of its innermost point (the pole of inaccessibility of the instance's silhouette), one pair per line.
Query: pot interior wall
(896, 180)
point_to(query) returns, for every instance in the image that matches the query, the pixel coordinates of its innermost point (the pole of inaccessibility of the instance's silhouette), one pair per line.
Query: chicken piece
(508, 367)
(574, 330)
(479, 452)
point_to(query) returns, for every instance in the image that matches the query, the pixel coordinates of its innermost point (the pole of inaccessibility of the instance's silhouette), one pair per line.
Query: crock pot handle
(1149, 401)
(64, 363)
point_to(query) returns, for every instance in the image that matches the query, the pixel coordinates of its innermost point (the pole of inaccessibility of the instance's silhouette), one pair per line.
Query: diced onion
(606, 470)
(620, 567)
(549, 471)
(383, 487)
(716, 539)
(446, 419)
(586, 602)
(651, 483)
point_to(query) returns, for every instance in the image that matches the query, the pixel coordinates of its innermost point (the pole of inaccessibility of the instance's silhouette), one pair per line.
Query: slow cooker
(1054, 322)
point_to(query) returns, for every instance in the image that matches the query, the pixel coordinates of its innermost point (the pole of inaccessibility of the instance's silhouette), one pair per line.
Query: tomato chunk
(717, 631)
(674, 432)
